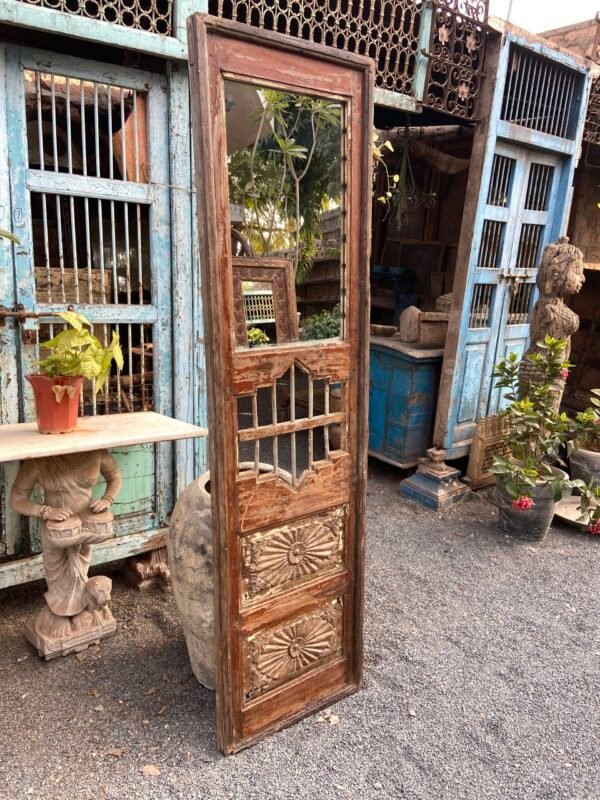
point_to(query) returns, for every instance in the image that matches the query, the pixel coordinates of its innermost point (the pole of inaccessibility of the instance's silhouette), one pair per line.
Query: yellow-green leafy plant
(76, 351)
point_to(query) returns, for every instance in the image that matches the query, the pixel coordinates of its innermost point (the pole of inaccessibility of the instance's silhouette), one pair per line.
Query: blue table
(403, 391)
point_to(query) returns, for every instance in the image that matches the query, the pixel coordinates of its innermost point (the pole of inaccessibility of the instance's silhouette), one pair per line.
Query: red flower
(594, 527)
(524, 503)
(564, 374)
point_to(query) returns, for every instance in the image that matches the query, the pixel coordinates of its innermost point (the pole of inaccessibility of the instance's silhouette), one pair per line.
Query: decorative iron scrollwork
(591, 131)
(455, 67)
(388, 31)
(473, 9)
(154, 16)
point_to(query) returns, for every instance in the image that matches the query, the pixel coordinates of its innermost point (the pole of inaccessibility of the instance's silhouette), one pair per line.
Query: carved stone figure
(560, 276)
(77, 613)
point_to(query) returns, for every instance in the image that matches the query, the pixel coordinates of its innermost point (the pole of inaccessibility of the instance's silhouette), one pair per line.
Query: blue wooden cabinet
(403, 390)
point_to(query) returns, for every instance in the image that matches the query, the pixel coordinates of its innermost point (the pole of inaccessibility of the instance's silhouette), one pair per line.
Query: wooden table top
(23, 440)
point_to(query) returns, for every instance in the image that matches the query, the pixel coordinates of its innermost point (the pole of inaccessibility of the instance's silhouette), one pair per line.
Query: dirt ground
(481, 681)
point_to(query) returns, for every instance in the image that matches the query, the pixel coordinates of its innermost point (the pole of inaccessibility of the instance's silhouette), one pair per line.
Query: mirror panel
(286, 189)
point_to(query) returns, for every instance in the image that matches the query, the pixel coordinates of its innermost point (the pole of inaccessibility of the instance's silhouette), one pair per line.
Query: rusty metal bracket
(20, 314)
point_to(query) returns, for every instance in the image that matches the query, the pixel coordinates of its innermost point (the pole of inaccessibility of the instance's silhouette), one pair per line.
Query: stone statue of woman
(71, 523)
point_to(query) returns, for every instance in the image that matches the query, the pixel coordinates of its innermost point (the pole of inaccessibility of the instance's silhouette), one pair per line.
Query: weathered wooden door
(86, 191)
(288, 419)
(518, 200)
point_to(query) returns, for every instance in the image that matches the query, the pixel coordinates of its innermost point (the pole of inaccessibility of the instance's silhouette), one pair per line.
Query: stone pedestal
(101, 624)
(434, 484)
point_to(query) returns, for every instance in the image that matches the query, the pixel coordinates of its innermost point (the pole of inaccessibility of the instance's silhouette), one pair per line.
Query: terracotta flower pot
(56, 402)
(585, 465)
(532, 524)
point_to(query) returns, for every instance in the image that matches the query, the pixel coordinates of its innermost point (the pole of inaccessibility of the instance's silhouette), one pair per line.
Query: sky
(543, 15)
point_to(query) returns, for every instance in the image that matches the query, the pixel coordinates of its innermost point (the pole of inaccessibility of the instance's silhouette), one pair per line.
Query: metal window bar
(520, 302)
(480, 311)
(529, 246)
(492, 239)
(538, 187)
(501, 181)
(539, 93)
(59, 141)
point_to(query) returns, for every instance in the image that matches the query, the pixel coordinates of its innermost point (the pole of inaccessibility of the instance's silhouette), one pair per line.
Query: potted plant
(74, 354)
(584, 445)
(256, 337)
(590, 505)
(324, 325)
(528, 481)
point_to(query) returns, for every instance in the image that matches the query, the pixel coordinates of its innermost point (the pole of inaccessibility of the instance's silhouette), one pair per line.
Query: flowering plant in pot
(529, 482)
(584, 444)
(73, 355)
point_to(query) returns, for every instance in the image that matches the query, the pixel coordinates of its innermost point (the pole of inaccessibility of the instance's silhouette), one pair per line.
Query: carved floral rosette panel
(284, 653)
(455, 67)
(285, 557)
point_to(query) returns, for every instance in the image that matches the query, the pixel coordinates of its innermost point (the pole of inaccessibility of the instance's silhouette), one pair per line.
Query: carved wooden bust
(560, 276)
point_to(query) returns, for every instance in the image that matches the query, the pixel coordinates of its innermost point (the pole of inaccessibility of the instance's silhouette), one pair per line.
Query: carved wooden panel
(284, 557)
(281, 654)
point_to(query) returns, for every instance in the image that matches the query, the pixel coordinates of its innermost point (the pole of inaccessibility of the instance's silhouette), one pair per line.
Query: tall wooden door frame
(453, 429)
(217, 49)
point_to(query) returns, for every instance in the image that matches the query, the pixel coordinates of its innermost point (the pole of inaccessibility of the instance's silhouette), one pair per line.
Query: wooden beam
(50, 21)
(24, 570)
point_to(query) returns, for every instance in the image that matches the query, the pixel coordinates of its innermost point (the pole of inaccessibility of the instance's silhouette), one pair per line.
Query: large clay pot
(534, 523)
(189, 545)
(585, 465)
(56, 402)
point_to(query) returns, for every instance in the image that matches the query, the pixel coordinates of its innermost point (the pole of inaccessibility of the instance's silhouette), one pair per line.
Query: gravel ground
(481, 674)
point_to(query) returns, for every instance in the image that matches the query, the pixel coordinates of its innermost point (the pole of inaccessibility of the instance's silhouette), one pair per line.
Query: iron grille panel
(529, 246)
(481, 306)
(538, 187)
(492, 240)
(520, 302)
(501, 182)
(455, 65)
(388, 32)
(154, 16)
(539, 94)
(474, 9)
(591, 132)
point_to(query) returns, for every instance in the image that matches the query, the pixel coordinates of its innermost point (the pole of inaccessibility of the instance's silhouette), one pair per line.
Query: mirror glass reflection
(285, 164)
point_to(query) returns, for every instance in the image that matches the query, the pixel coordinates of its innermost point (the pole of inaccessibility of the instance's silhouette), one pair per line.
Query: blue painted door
(522, 193)
(87, 186)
